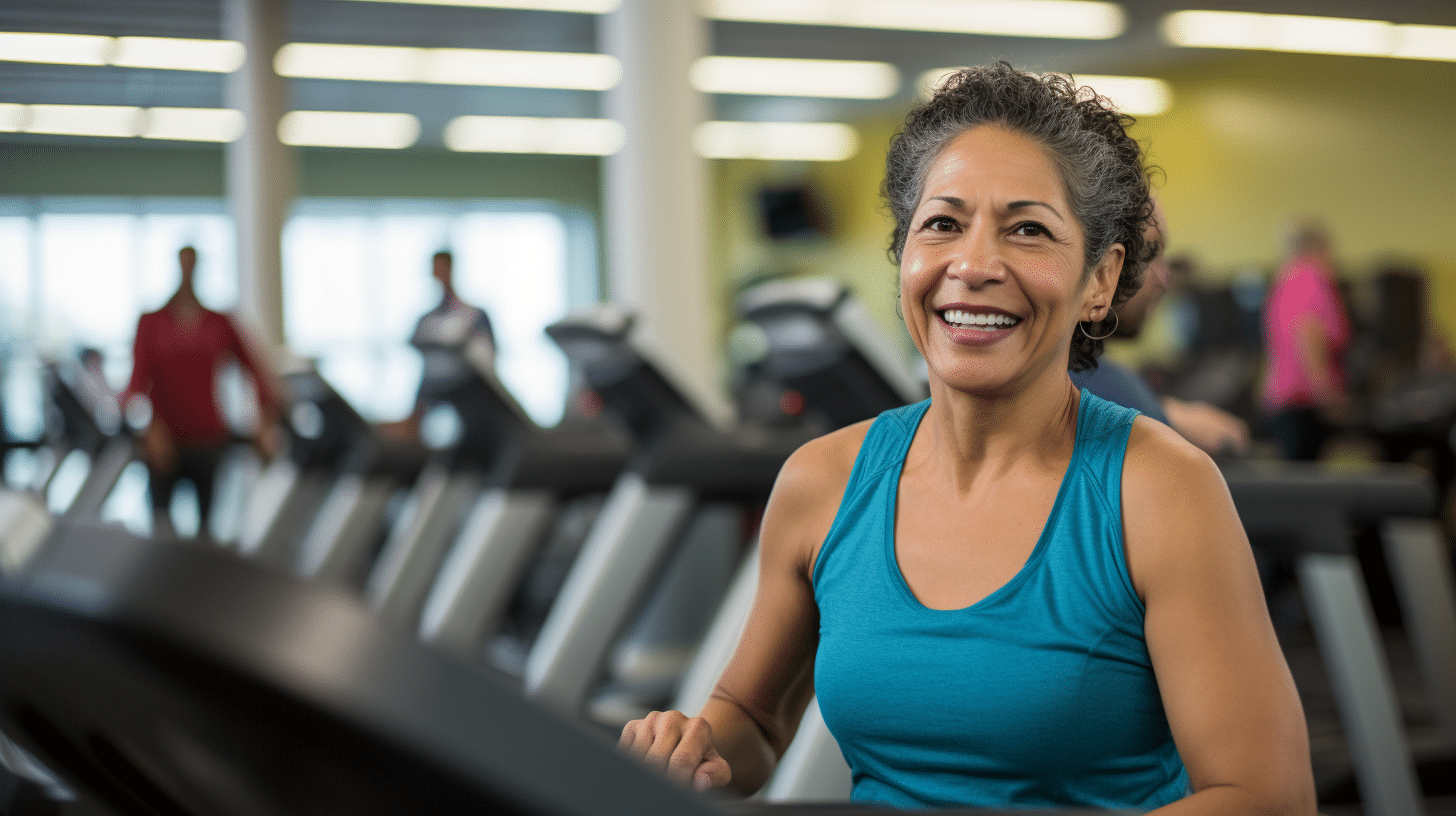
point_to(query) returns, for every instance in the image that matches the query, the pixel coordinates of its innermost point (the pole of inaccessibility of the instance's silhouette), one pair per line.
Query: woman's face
(991, 275)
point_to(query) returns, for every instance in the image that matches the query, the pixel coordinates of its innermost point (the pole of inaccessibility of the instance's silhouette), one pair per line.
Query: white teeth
(979, 320)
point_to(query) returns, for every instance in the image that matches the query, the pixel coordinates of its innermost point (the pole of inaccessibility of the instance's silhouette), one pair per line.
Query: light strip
(1309, 35)
(838, 79)
(449, 66)
(61, 49)
(1062, 19)
(84, 120)
(171, 53)
(188, 124)
(787, 141)
(525, 134)
(194, 124)
(580, 6)
(12, 117)
(1137, 96)
(389, 131)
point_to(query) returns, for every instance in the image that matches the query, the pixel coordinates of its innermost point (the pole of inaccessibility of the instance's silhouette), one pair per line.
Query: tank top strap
(887, 441)
(1103, 428)
(868, 498)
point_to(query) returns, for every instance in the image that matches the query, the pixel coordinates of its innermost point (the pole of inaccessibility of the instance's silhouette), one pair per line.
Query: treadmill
(74, 428)
(680, 502)
(321, 430)
(156, 677)
(482, 508)
(820, 341)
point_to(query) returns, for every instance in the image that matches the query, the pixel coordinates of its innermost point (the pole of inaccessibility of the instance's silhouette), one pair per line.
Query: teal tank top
(1041, 694)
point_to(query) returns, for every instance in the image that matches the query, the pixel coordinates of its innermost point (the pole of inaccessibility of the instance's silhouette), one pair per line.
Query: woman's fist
(679, 746)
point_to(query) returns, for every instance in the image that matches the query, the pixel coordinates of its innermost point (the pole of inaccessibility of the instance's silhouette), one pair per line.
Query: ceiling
(1138, 51)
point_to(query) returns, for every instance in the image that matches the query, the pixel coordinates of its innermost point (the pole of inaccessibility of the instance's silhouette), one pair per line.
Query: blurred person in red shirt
(177, 355)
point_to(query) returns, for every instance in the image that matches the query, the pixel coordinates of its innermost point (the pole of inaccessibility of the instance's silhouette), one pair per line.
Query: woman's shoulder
(806, 495)
(1161, 463)
(824, 462)
(1173, 497)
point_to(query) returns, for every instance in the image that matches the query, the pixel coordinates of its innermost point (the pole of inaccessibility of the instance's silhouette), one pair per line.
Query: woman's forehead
(994, 161)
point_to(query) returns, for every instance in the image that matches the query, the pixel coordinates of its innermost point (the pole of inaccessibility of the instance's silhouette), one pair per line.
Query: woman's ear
(1102, 285)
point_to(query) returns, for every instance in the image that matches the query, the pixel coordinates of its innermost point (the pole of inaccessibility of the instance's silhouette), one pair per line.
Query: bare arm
(1314, 358)
(751, 717)
(1230, 700)
(1211, 428)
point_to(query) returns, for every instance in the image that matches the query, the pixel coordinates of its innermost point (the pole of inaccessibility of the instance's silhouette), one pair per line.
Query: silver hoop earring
(1113, 331)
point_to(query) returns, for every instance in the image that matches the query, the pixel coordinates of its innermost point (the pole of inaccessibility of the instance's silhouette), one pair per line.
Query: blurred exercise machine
(483, 512)
(820, 341)
(321, 429)
(682, 498)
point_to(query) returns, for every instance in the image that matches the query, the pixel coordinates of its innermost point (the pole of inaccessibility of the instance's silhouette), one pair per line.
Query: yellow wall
(1252, 140)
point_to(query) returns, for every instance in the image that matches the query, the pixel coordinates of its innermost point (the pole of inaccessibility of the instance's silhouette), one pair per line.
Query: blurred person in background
(177, 355)
(448, 333)
(1209, 427)
(1306, 334)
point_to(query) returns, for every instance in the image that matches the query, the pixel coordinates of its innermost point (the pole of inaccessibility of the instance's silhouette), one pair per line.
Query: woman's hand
(679, 746)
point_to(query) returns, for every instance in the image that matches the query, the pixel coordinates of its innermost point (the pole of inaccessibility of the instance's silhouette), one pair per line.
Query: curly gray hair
(1101, 166)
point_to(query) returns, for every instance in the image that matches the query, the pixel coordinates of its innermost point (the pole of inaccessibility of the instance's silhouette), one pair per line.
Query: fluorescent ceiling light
(172, 53)
(525, 134)
(65, 49)
(522, 69)
(12, 117)
(840, 79)
(449, 66)
(1067, 19)
(218, 56)
(391, 131)
(367, 62)
(194, 124)
(85, 120)
(791, 141)
(188, 124)
(1315, 35)
(581, 6)
(1137, 96)
(1278, 32)
(1425, 42)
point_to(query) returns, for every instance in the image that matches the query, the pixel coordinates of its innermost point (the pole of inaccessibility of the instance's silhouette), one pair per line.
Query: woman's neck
(972, 436)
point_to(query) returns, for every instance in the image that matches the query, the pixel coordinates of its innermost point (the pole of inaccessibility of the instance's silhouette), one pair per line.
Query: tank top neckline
(1037, 551)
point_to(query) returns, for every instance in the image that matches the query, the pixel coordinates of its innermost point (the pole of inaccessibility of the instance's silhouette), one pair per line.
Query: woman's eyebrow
(1021, 205)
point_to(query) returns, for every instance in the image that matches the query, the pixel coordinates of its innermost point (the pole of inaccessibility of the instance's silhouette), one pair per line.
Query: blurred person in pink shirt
(1306, 334)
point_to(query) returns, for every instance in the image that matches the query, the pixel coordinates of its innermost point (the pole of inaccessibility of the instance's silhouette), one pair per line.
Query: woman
(1306, 332)
(1015, 594)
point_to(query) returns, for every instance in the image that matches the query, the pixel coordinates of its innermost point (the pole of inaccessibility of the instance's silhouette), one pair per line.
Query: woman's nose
(977, 258)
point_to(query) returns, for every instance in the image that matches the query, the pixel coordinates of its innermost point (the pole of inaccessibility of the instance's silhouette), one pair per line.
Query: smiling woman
(987, 590)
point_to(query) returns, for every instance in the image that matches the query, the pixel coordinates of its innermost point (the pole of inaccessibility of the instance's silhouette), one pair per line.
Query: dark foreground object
(170, 679)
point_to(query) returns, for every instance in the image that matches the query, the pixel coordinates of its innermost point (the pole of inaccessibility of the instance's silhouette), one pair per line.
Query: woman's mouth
(981, 321)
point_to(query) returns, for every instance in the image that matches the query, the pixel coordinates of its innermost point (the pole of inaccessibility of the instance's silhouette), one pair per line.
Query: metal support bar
(483, 568)
(1421, 567)
(1344, 626)
(629, 541)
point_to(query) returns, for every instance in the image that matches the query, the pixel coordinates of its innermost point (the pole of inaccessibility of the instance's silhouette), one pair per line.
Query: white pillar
(261, 171)
(656, 188)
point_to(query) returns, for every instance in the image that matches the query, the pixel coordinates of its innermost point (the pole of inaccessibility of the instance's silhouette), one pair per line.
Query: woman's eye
(939, 223)
(1029, 228)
